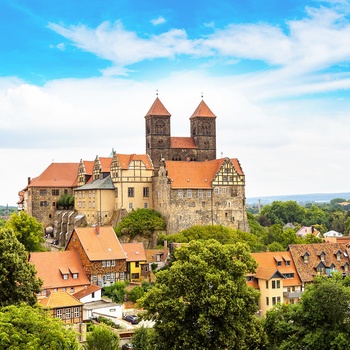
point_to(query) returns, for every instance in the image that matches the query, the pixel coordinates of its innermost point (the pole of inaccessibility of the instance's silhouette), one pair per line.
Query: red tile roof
(126, 159)
(158, 108)
(59, 299)
(57, 175)
(100, 243)
(203, 111)
(105, 164)
(182, 142)
(196, 174)
(51, 265)
(86, 291)
(134, 251)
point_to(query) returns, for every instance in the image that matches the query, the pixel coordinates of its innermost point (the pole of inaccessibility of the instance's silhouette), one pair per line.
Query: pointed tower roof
(203, 111)
(158, 109)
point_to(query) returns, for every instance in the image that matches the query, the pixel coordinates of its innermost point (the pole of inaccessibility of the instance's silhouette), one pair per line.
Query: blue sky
(77, 77)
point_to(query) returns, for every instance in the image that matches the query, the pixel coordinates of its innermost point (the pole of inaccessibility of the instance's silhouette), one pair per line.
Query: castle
(178, 176)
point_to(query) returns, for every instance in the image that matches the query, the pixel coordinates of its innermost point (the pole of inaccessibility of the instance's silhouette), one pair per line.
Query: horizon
(77, 78)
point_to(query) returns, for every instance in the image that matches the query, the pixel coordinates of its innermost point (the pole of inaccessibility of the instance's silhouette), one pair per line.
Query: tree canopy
(319, 321)
(25, 327)
(28, 231)
(202, 300)
(102, 338)
(140, 221)
(116, 291)
(18, 282)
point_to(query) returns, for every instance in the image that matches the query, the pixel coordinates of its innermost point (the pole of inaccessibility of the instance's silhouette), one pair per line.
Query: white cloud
(157, 21)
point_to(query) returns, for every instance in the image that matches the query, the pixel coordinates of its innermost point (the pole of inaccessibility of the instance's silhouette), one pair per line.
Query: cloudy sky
(77, 78)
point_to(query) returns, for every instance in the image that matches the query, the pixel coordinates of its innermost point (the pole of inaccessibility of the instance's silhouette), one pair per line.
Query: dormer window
(346, 267)
(306, 257)
(64, 273)
(338, 255)
(322, 256)
(75, 275)
(65, 276)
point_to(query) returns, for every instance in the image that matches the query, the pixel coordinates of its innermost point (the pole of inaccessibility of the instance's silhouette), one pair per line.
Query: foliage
(18, 281)
(2, 222)
(319, 321)
(28, 231)
(116, 292)
(107, 322)
(102, 338)
(135, 293)
(222, 234)
(202, 300)
(140, 221)
(25, 327)
(146, 286)
(66, 201)
(143, 339)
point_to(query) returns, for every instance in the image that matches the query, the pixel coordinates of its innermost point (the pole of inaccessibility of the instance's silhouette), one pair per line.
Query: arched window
(160, 128)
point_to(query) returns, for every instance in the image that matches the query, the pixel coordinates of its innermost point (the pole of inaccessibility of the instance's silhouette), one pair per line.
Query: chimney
(29, 179)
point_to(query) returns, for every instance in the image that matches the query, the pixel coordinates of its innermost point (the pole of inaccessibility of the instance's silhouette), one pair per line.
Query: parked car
(131, 318)
(127, 346)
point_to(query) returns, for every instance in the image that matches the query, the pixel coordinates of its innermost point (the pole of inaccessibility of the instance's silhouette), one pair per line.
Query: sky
(77, 78)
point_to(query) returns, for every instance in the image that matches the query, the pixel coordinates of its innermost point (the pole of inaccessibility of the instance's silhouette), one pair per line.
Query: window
(121, 276)
(135, 276)
(289, 275)
(278, 299)
(103, 263)
(346, 267)
(94, 278)
(338, 256)
(77, 311)
(68, 313)
(43, 192)
(273, 300)
(306, 258)
(322, 256)
(287, 263)
(146, 191)
(189, 193)
(216, 190)
(267, 284)
(131, 192)
(108, 263)
(200, 193)
(208, 194)
(145, 205)
(278, 284)
(137, 264)
(180, 193)
(267, 301)
(273, 284)
(55, 192)
(112, 262)
(279, 263)
(223, 190)
(65, 276)
(75, 275)
(72, 290)
(130, 206)
(116, 192)
(43, 203)
(59, 313)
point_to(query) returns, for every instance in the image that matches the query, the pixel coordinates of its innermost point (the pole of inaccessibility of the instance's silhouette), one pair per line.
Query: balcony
(292, 295)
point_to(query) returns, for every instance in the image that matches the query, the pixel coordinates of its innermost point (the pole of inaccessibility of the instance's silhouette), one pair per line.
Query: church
(178, 176)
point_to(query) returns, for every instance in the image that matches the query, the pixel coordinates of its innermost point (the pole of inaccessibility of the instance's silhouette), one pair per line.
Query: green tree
(143, 339)
(202, 300)
(66, 201)
(116, 291)
(28, 231)
(316, 216)
(319, 321)
(25, 327)
(135, 293)
(102, 338)
(18, 282)
(140, 221)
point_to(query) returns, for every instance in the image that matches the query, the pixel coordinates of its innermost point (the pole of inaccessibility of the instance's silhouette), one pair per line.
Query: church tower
(203, 132)
(158, 138)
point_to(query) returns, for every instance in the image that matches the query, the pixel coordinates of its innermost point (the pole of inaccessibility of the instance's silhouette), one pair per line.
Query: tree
(25, 327)
(18, 282)
(28, 231)
(102, 338)
(319, 321)
(116, 291)
(140, 221)
(135, 293)
(143, 339)
(202, 300)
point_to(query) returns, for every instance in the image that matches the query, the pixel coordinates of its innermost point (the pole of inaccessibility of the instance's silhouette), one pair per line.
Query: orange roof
(182, 142)
(86, 291)
(151, 255)
(158, 108)
(105, 164)
(267, 266)
(100, 243)
(57, 175)
(51, 265)
(196, 174)
(203, 111)
(126, 159)
(134, 251)
(89, 165)
(59, 299)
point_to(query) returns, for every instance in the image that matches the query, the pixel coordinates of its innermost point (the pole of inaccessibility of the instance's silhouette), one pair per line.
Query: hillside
(300, 198)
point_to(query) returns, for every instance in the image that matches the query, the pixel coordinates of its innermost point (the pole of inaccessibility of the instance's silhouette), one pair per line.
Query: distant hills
(300, 198)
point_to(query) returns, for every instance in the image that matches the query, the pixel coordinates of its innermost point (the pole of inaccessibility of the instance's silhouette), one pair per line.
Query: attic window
(338, 255)
(306, 258)
(322, 256)
(65, 276)
(75, 275)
